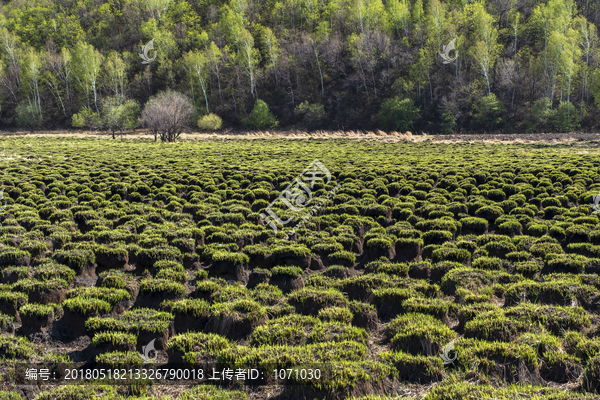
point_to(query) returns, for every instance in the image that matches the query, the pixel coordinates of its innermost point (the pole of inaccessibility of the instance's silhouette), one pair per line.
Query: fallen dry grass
(378, 135)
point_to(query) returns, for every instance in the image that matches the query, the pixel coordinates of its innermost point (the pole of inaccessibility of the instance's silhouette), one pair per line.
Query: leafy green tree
(28, 114)
(115, 73)
(31, 79)
(214, 58)
(486, 49)
(566, 117)
(261, 117)
(541, 113)
(399, 15)
(248, 57)
(197, 64)
(271, 50)
(119, 114)
(368, 14)
(87, 62)
(489, 112)
(313, 113)
(448, 122)
(86, 118)
(398, 114)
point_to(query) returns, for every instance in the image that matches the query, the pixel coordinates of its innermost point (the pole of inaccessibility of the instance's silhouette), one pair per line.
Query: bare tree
(167, 114)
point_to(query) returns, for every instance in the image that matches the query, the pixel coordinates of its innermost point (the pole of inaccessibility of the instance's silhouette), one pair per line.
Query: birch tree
(485, 50)
(214, 58)
(271, 50)
(197, 62)
(31, 77)
(115, 72)
(588, 40)
(87, 69)
(399, 15)
(249, 57)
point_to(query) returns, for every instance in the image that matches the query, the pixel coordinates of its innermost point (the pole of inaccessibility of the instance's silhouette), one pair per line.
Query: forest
(518, 65)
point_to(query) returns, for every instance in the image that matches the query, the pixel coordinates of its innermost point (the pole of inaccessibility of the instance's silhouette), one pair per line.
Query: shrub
(167, 114)
(210, 122)
(88, 118)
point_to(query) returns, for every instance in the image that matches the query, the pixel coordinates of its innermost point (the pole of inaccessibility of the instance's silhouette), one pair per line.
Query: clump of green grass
(76, 259)
(110, 295)
(311, 300)
(120, 359)
(336, 314)
(198, 342)
(155, 285)
(133, 321)
(172, 275)
(29, 285)
(37, 310)
(16, 348)
(436, 307)
(114, 339)
(418, 334)
(290, 271)
(114, 279)
(87, 305)
(209, 392)
(251, 309)
(65, 392)
(50, 269)
(195, 307)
